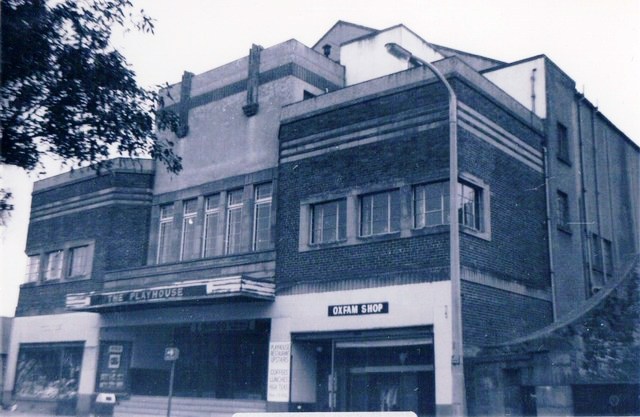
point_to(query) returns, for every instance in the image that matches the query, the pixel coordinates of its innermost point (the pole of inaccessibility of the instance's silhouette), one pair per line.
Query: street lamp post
(458, 389)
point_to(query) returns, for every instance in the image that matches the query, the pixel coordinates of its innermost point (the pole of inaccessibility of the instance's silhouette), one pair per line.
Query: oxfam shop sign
(358, 309)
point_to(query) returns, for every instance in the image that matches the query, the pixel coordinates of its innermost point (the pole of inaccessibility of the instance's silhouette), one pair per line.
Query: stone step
(145, 406)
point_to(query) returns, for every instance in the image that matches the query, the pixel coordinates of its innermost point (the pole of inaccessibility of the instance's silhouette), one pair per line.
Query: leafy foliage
(67, 92)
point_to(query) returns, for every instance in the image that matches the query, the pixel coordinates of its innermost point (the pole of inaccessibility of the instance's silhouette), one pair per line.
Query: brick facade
(116, 229)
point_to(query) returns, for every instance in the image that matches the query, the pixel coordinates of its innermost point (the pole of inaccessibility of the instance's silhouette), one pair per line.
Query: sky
(596, 42)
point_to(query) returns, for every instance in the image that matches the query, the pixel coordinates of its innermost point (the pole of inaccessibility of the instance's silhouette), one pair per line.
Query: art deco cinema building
(374, 223)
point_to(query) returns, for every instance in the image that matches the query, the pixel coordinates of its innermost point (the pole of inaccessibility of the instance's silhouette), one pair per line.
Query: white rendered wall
(367, 58)
(425, 304)
(516, 81)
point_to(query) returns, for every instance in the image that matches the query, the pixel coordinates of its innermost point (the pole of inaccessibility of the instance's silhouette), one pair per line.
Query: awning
(215, 288)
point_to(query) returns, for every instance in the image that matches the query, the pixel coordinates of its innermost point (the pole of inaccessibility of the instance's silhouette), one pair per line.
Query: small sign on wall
(358, 309)
(278, 381)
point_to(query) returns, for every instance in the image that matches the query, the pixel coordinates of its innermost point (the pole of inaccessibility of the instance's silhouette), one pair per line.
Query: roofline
(520, 61)
(344, 22)
(582, 97)
(576, 92)
(497, 61)
(451, 67)
(119, 164)
(386, 30)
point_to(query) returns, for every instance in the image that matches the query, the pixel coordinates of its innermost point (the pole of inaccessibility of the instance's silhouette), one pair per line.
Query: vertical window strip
(262, 217)
(607, 254)
(562, 209)
(54, 265)
(33, 268)
(234, 222)
(78, 261)
(212, 214)
(468, 206)
(563, 142)
(189, 248)
(164, 233)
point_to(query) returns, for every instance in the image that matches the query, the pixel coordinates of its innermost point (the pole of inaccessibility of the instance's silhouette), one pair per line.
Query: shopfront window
(48, 371)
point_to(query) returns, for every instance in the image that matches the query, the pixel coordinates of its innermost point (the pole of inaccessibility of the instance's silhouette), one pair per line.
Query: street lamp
(458, 390)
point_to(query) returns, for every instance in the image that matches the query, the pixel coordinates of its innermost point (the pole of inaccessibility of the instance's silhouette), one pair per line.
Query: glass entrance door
(385, 375)
(371, 372)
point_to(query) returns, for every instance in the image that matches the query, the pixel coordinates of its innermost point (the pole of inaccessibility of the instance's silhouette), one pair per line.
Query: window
(601, 254)
(431, 204)
(54, 265)
(164, 234)
(562, 208)
(602, 263)
(189, 248)
(329, 221)
(469, 206)
(596, 251)
(234, 222)
(48, 371)
(607, 257)
(380, 213)
(211, 215)
(78, 261)
(33, 268)
(563, 142)
(262, 217)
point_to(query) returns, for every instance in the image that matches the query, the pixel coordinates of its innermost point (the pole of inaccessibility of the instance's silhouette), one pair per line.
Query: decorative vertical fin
(253, 81)
(185, 98)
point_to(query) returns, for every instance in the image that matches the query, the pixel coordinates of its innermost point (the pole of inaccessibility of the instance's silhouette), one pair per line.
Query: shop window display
(49, 371)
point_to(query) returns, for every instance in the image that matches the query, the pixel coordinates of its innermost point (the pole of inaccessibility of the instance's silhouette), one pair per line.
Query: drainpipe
(594, 150)
(458, 388)
(612, 223)
(552, 273)
(586, 240)
(533, 90)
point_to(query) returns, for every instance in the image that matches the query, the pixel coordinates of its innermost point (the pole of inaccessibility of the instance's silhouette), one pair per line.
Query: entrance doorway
(226, 360)
(374, 372)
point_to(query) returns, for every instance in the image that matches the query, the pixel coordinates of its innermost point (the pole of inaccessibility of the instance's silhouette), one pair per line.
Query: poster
(279, 372)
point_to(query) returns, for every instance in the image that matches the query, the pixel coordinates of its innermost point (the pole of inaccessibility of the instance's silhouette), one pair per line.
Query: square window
(329, 221)
(380, 213)
(431, 204)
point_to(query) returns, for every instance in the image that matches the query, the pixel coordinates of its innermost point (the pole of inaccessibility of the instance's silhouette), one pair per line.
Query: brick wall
(117, 233)
(491, 315)
(517, 250)
(410, 159)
